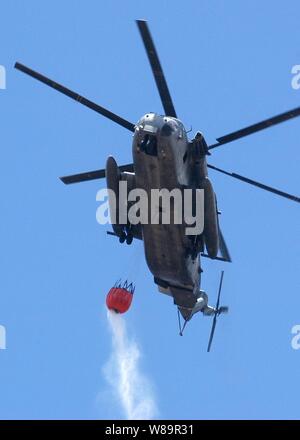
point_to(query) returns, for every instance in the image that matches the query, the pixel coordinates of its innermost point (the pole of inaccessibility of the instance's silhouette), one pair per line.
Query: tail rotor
(218, 311)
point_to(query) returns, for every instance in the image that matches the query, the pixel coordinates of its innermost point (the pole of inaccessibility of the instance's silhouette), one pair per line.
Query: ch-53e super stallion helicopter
(164, 157)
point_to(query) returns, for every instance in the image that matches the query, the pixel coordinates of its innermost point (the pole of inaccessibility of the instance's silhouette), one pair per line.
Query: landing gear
(122, 237)
(129, 238)
(126, 235)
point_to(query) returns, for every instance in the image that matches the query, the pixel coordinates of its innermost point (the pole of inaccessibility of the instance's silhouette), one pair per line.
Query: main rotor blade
(92, 175)
(212, 332)
(97, 108)
(257, 184)
(156, 69)
(256, 127)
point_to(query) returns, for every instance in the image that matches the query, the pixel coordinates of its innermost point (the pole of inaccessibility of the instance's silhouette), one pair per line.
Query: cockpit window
(167, 129)
(149, 145)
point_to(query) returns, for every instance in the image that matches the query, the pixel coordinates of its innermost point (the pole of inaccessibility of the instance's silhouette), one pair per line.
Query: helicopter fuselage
(164, 159)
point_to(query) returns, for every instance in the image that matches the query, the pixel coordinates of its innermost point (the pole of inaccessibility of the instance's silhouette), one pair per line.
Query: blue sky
(228, 64)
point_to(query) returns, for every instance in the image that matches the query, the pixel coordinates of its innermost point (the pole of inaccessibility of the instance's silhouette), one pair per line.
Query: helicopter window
(167, 129)
(149, 145)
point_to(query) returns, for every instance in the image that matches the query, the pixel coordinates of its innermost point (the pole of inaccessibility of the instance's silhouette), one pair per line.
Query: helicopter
(164, 157)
